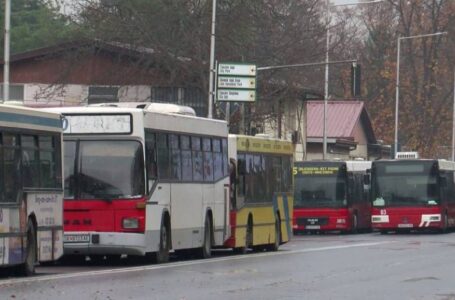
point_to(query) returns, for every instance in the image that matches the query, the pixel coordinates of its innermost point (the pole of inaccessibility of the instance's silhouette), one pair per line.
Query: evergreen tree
(34, 24)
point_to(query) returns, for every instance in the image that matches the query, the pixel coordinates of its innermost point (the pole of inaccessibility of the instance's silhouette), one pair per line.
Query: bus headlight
(341, 221)
(130, 223)
(435, 218)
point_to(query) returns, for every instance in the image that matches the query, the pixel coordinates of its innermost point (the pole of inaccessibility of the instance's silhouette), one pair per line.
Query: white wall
(72, 94)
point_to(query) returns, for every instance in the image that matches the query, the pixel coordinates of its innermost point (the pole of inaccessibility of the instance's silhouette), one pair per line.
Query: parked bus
(412, 194)
(144, 179)
(330, 196)
(261, 193)
(31, 190)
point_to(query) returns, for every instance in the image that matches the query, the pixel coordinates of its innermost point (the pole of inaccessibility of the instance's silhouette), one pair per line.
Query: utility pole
(212, 62)
(6, 51)
(326, 83)
(453, 118)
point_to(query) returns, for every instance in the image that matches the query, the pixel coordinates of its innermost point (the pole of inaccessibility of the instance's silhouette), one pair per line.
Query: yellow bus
(261, 200)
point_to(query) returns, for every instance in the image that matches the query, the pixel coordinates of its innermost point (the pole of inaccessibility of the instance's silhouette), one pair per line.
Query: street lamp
(397, 86)
(326, 82)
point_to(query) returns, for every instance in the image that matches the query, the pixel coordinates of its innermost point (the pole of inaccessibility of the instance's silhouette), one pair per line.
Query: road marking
(182, 264)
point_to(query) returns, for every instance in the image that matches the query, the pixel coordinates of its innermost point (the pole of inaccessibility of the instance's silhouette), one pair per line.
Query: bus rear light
(130, 223)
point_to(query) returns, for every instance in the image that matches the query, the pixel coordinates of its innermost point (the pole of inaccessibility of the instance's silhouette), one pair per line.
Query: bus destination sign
(314, 170)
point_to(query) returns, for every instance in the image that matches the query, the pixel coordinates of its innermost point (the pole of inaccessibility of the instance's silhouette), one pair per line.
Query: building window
(102, 94)
(189, 96)
(16, 92)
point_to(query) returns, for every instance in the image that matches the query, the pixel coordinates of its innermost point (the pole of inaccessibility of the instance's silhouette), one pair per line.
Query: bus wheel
(162, 255)
(113, 259)
(276, 244)
(28, 267)
(355, 224)
(445, 226)
(206, 250)
(240, 250)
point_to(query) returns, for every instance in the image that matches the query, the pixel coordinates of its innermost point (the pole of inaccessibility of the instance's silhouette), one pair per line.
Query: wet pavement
(329, 266)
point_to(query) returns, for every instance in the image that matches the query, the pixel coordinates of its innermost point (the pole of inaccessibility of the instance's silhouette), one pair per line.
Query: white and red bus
(412, 194)
(330, 196)
(144, 179)
(31, 189)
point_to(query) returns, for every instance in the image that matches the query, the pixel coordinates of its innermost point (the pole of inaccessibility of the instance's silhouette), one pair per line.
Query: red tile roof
(342, 116)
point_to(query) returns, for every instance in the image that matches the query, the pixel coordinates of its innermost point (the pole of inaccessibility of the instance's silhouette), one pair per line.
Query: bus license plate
(313, 227)
(76, 238)
(405, 226)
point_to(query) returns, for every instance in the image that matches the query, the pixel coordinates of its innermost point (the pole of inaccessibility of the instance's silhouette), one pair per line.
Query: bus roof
(29, 118)
(152, 107)
(159, 120)
(442, 163)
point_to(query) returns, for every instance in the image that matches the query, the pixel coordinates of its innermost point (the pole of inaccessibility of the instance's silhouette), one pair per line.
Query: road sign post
(236, 82)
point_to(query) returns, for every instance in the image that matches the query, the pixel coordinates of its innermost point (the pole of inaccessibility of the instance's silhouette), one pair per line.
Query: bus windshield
(405, 185)
(320, 191)
(105, 170)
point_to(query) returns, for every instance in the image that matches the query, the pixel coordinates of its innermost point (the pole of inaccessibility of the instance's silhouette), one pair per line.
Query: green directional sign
(229, 82)
(236, 95)
(236, 82)
(236, 69)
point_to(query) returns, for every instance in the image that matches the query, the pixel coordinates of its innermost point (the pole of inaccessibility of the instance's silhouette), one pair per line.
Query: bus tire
(445, 225)
(114, 259)
(162, 255)
(277, 242)
(248, 238)
(28, 267)
(240, 250)
(206, 250)
(355, 224)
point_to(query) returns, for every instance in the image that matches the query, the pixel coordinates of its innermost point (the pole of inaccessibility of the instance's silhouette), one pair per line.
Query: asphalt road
(365, 266)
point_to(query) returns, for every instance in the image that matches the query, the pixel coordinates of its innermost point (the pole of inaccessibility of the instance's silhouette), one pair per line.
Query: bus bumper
(104, 243)
(406, 221)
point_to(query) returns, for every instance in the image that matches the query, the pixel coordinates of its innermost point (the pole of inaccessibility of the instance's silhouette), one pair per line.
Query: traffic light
(355, 80)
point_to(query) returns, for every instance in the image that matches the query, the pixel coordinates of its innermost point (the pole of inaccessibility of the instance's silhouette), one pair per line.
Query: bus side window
(208, 159)
(11, 168)
(197, 159)
(217, 159)
(187, 165)
(150, 155)
(286, 175)
(241, 167)
(163, 156)
(249, 178)
(176, 162)
(224, 148)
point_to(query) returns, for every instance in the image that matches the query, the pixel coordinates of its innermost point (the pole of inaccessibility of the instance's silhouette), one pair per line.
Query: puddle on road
(421, 279)
(446, 296)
